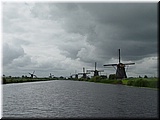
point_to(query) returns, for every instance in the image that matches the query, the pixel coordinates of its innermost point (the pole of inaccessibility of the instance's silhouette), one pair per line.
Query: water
(78, 99)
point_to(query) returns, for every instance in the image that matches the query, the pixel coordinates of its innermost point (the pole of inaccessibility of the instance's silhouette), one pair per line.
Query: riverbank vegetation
(138, 82)
(142, 82)
(9, 80)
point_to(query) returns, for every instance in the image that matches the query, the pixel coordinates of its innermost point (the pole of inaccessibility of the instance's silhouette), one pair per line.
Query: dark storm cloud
(131, 27)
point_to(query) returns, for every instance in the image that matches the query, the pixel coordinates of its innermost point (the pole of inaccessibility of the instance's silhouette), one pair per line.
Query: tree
(140, 76)
(145, 76)
(4, 80)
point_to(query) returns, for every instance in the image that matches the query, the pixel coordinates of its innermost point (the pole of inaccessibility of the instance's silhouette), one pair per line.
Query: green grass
(98, 79)
(138, 82)
(141, 82)
(124, 82)
(20, 80)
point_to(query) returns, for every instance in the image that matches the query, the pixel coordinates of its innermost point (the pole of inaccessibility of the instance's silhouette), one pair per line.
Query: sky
(63, 37)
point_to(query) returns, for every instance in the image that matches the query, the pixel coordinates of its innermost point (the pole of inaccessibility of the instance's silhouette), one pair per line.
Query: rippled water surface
(78, 99)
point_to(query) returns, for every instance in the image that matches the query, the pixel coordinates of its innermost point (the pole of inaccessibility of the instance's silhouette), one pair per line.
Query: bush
(141, 83)
(153, 84)
(81, 79)
(130, 82)
(91, 80)
(118, 81)
(96, 78)
(112, 76)
(4, 80)
(103, 76)
(104, 81)
(145, 76)
(108, 81)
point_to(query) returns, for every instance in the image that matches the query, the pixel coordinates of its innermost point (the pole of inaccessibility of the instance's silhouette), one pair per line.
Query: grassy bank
(138, 82)
(142, 82)
(21, 80)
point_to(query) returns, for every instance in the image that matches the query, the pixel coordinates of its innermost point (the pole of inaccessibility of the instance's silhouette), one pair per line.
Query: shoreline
(135, 82)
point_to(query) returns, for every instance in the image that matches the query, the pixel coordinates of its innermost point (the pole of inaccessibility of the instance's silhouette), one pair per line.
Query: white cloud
(11, 52)
(148, 65)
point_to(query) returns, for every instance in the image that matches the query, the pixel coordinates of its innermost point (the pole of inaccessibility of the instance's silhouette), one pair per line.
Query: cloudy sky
(62, 38)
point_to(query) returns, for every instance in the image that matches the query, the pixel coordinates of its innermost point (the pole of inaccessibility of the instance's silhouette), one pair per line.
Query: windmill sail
(32, 74)
(128, 63)
(119, 55)
(35, 76)
(101, 70)
(110, 65)
(90, 71)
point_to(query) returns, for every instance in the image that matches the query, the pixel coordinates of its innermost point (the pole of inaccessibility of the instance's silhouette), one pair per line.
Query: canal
(77, 99)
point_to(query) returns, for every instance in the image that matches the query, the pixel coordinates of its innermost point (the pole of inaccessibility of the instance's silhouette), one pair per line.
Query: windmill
(96, 72)
(76, 75)
(32, 74)
(50, 75)
(120, 71)
(83, 73)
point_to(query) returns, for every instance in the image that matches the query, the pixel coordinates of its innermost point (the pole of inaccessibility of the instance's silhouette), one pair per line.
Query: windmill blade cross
(90, 70)
(119, 55)
(50, 75)
(128, 63)
(87, 73)
(80, 73)
(100, 70)
(35, 76)
(83, 73)
(110, 65)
